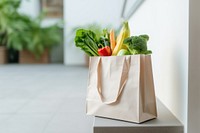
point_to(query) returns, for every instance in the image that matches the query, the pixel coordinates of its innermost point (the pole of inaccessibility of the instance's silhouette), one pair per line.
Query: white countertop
(165, 123)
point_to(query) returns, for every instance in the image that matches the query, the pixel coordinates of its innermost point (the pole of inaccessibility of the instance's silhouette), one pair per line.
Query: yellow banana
(124, 33)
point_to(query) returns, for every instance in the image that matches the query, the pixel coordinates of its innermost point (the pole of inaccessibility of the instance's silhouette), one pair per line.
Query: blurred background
(43, 76)
(46, 28)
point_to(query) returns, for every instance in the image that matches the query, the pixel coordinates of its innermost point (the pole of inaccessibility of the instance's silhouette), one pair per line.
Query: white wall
(83, 12)
(194, 68)
(30, 7)
(166, 21)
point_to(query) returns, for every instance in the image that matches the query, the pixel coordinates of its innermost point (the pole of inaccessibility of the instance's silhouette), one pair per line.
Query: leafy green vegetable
(106, 34)
(104, 39)
(137, 44)
(87, 41)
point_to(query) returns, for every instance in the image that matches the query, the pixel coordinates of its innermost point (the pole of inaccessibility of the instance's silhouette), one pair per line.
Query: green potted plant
(26, 35)
(34, 42)
(8, 9)
(40, 42)
(16, 35)
(10, 21)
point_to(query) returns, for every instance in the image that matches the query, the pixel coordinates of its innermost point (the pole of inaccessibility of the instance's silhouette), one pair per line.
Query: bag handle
(123, 79)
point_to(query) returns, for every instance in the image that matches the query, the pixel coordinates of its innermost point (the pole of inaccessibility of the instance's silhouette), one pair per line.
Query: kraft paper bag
(121, 87)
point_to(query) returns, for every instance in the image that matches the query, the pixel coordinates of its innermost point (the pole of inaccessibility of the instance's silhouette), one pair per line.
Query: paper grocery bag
(121, 87)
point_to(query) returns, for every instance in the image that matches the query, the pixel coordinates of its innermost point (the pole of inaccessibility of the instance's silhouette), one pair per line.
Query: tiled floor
(43, 99)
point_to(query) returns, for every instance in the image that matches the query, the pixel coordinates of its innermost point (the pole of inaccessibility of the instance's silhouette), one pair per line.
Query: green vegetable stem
(123, 52)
